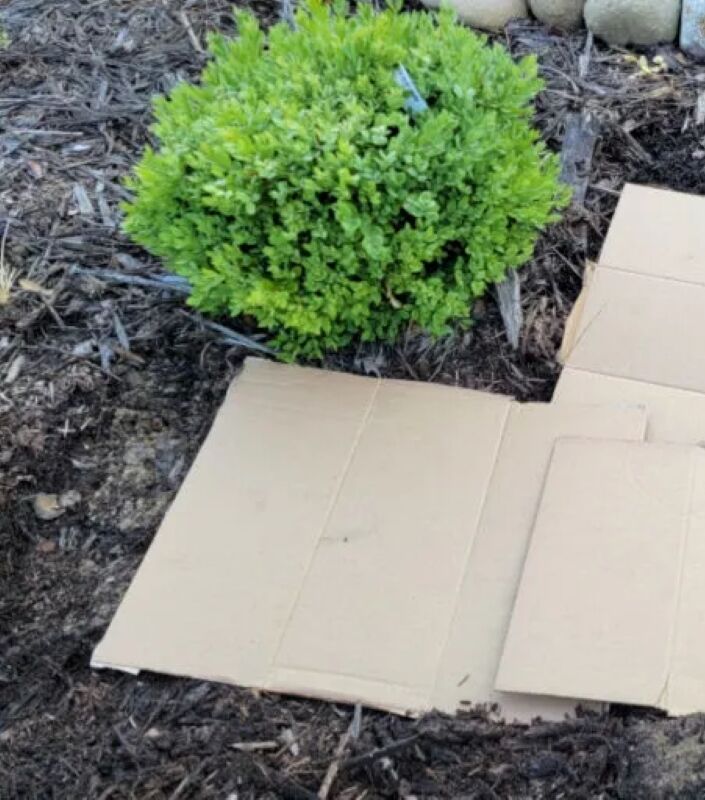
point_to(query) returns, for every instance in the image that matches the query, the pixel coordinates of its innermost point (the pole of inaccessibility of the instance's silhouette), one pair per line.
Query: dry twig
(350, 734)
(7, 275)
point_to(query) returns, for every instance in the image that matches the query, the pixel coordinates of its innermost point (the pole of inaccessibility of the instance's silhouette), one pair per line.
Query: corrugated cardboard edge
(116, 667)
(334, 688)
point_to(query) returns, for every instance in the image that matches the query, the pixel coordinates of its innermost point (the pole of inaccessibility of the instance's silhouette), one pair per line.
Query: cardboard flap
(659, 233)
(618, 540)
(628, 336)
(674, 415)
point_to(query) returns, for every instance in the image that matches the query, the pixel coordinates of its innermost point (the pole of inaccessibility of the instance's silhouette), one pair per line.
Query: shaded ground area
(106, 390)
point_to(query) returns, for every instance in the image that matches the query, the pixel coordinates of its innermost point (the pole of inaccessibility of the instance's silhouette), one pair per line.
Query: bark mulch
(107, 389)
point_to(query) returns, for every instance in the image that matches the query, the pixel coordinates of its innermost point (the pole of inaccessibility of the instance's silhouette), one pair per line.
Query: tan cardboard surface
(372, 616)
(574, 322)
(473, 649)
(674, 415)
(611, 603)
(634, 335)
(216, 587)
(352, 539)
(659, 233)
(637, 327)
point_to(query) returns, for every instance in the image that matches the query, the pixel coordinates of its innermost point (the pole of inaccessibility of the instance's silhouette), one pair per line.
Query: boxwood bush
(300, 186)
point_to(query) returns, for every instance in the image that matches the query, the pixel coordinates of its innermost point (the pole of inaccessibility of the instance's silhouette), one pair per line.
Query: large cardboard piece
(351, 539)
(635, 334)
(611, 604)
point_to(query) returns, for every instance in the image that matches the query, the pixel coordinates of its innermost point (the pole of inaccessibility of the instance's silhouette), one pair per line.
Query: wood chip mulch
(107, 388)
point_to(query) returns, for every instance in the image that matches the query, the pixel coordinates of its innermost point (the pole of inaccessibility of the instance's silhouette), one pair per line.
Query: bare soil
(107, 389)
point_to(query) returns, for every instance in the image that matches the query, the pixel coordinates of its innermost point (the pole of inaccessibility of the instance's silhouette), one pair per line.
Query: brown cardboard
(658, 232)
(351, 539)
(674, 415)
(636, 327)
(611, 602)
(574, 321)
(473, 649)
(633, 334)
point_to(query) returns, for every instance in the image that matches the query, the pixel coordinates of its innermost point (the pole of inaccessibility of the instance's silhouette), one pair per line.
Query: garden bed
(106, 389)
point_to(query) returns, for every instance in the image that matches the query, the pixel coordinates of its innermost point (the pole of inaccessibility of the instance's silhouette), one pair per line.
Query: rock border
(617, 22)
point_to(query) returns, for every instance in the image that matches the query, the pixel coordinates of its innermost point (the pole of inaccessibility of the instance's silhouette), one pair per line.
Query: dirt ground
(107, 389)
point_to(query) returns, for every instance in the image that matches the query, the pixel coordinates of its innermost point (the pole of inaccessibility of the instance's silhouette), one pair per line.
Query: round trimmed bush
(304, 185)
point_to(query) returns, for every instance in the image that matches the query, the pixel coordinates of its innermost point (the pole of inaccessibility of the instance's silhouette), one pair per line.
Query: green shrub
(295, 187)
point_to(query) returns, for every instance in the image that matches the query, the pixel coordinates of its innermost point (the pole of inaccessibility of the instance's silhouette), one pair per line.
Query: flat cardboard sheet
(351, 539)
(658, 232)
(674, 415)
(636, 327)
(611, 603)
(636, 330)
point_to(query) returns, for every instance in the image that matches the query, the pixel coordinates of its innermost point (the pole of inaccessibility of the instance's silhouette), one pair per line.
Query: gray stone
(566, 14)
(491, 15)
(693, 28)
(633, 21)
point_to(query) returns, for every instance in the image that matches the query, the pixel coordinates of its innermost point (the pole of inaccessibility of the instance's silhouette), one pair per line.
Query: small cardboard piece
(634, 332)
(636, 327)
(351, 539)
(611, 604)
(658, 232)
(674, 415)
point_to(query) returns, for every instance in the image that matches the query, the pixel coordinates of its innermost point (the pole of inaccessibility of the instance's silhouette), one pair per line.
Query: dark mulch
(107, 389)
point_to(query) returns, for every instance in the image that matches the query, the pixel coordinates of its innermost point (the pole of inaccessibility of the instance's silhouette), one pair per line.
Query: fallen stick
(171, 282)
(352, 732)
(253, 747)
(380, 752)
(175, 284)
(229, 335)
(186, 22)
